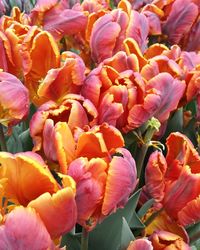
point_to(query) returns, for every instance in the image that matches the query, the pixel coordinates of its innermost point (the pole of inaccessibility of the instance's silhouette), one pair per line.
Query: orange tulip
(102, 186)
(37, 44)
(167, 241)
(14, 100)
(67, 79)
(48, 198)
(22, 169)
(174, 182)
(164, 222)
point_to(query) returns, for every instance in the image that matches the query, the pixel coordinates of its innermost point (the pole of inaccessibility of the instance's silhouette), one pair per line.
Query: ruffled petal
(190, 213)
(58, 212)
(155, 176)
(23, 229)
(121, 181)
(21, 171)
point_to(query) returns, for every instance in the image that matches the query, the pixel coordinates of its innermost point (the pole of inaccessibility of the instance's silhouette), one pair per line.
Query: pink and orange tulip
(144, 244)
(14, 100)
(174, 181)
(124, 98)
(102, 185)
(49, 121)
(121, 23)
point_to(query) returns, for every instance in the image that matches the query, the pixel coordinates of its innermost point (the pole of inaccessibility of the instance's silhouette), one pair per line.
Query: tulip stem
(2, 139)
(84, 239)
(152, 126)
(148, 136)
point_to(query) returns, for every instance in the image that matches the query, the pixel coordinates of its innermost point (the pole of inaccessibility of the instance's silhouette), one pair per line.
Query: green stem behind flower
(2, 139)
(84, 239)
(152, 126)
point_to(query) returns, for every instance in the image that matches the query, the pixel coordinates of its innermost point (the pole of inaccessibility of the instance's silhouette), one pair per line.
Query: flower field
(100, 125)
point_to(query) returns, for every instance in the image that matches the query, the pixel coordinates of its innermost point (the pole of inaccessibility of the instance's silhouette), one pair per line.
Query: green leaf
(143, 210)
(72, 242)
(175, 123)
(26, 140)
(19, 141)
(14, 143)
(194, 233)
(126, 235)
(192, 106)
(108, 234)
(190, 131)
(135, 222)
(115, 235)
(196, 245)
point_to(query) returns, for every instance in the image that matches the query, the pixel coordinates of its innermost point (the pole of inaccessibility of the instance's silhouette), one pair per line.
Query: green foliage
(19, 141)
(143, 210)
(194, 235)
(71, 241)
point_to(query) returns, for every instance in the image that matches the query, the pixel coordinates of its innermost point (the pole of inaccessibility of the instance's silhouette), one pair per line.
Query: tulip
(124, 99)
(21, 47)
(165, 240)
(57, 18)
(14, 100)
(23, 229)
(174, 182)
(144, 244)
(180, 20)
(121, 23)
(49, 121)
(48, 198)
(163, 222)
(19, 171)
(102, 186)
(34, 69)
(66, 79)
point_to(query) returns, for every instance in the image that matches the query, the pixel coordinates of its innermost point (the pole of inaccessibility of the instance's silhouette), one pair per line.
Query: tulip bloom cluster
(92, 84)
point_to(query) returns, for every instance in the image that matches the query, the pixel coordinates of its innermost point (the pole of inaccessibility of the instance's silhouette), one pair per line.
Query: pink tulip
(23, 229)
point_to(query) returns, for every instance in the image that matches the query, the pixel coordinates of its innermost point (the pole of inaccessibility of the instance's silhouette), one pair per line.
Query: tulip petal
(58, 212)
(21, 171)
(165, 86)
(180, 20)
(180, 192)
(65, 145)
(14, 100)
(190, 213)
(167, 240)
(121, 181)
(23, 229)
(90, 177)
(181, 152)
(154, 176)
(143, 244)
(101, 45)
